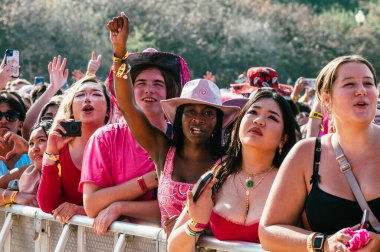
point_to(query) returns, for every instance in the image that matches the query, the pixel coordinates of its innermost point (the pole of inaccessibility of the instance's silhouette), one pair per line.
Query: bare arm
(58, 77)
(313, 124)
(278, 229)
(149, 137)
(13, 174)
(96, 198)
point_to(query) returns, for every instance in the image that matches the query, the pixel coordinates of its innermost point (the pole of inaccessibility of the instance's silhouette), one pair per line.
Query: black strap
(315, 178)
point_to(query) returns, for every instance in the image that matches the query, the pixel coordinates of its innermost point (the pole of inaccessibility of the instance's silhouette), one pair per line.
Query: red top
(55, 190)
(225, 229)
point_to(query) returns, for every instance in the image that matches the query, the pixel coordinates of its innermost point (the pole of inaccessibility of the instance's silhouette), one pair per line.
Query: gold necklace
(250, 185)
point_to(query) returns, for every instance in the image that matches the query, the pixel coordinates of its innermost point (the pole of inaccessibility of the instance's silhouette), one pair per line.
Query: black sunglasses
(10, 115)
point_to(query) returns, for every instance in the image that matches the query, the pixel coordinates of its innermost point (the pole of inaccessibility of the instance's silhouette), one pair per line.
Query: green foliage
(226, 37)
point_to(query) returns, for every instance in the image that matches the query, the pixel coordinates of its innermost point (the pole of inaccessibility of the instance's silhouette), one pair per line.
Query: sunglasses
(10, 115)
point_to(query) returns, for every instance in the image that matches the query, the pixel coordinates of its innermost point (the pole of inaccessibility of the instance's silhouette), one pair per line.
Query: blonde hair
(65, 110)
(328, 74)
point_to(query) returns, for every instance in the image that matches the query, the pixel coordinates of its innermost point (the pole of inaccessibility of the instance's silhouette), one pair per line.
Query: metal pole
(6, 229)
(63, 239)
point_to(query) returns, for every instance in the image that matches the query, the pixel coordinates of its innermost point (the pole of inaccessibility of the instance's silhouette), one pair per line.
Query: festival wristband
(316, 115)
(194, 224)
(55, 159)
(142, 184)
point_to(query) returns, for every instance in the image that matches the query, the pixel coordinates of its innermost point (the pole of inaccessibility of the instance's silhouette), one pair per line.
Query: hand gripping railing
(124, 233)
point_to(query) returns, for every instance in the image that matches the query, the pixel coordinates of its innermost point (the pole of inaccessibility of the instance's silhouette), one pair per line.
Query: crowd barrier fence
(27, 229)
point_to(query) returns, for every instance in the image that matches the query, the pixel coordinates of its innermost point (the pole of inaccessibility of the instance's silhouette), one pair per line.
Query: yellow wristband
(122, 59)
(55, 158)
(316, 115)
(90, 74)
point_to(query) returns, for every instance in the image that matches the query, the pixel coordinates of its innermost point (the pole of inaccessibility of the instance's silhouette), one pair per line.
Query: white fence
(29, 229)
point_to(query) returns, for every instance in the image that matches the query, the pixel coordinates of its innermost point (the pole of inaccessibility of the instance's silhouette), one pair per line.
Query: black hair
(45, 108)
(233, 161)
(45, 125)
(170, 82)
(216, 149)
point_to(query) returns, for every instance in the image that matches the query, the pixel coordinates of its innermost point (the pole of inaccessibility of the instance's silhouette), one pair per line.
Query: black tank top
(327, 213)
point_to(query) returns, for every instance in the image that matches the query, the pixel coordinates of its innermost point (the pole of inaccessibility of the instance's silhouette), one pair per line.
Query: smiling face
(354, 94)
(12, 123)
(198, 122)
(37, 147)
(262, 126)
(89, 104)
(149, 90)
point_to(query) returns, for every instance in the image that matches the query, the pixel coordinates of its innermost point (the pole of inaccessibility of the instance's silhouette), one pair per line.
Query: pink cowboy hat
(200, 91)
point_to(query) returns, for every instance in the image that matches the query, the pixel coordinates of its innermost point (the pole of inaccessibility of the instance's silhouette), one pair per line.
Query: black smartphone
(364, 223)
(39, 80)
(14, 55)
(73, 128)
(201, 184)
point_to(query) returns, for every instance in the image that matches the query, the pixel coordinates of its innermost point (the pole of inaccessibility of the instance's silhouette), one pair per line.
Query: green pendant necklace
(249, 180)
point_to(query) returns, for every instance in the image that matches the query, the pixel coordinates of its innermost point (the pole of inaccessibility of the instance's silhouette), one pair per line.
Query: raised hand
(58, 73)
(6, 71)
(20, 145)
(119, 31)
(94, 64)
(77, 74)
(209, 76)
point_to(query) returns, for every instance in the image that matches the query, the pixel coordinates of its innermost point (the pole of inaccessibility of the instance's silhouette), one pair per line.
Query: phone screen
(201, 184)
(13, 55)
(309, 82)
(39, 80)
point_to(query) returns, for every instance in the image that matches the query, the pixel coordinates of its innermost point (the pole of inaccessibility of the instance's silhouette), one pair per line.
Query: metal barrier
(27, 229)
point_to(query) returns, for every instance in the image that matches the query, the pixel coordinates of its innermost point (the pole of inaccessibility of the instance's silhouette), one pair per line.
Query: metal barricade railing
(29, 229)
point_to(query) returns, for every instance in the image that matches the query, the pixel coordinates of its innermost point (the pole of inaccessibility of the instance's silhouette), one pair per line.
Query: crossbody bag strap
(345, 168)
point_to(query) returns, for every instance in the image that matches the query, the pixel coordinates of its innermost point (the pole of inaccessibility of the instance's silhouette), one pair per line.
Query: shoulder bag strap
(345, 168)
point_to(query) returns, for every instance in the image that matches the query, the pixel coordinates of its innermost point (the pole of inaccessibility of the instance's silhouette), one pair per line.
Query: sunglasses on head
(10, 115)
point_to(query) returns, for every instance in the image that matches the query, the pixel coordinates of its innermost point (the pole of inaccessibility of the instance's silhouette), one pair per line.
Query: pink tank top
(172, 195)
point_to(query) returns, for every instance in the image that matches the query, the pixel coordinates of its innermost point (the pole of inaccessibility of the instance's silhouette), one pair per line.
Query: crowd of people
(279, 164)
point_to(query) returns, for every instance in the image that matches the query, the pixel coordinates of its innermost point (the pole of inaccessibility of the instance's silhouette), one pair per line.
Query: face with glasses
(9, 120)
(198, 122)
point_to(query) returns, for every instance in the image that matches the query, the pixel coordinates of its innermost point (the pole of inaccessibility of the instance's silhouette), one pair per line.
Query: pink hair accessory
(359, 239)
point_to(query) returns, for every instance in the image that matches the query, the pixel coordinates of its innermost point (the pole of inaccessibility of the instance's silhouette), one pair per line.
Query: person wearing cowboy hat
(198, 117)
(115, 186)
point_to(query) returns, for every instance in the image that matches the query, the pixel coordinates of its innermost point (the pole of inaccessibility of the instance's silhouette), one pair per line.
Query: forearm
(13, 174)
(49, 190)
(96, 201)
(283, 238)
(145, 210)
(35, 109)
(5, 196)
(313, 127)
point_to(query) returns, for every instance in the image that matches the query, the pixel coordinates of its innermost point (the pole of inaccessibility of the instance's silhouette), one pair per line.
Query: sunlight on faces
(37, 147)
(89, 104)
(354, 94)
(6, 125)
(198, 122)
(262, 126)
(149, 90)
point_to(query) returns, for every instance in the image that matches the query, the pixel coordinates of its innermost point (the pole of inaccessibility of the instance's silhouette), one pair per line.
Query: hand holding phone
(13, 57)
(310, 82)
(201, 185)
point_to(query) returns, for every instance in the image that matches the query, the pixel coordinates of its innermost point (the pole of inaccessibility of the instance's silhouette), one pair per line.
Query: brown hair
(328, 74)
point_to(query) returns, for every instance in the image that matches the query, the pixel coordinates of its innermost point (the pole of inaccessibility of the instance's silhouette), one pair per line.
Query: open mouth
(88, 108)
(196, 130)
(361, 104)
(149, 99)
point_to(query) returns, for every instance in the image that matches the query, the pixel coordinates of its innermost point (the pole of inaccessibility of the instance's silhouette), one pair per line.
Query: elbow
(90, 206)
(264, 237)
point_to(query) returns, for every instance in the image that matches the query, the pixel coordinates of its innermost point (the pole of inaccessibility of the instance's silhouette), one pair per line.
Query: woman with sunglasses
(12, 115)
(198, 117)
(28, 183)
(232, 204)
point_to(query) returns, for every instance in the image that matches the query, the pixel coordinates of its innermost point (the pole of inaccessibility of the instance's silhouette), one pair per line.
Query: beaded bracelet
(191, 232)
(316, 115)
(55, 158)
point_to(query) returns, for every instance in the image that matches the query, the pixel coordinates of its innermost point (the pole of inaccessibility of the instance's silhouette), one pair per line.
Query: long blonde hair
(65, 110)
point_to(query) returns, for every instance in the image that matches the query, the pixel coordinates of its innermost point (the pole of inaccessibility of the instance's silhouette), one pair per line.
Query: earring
(279, 150)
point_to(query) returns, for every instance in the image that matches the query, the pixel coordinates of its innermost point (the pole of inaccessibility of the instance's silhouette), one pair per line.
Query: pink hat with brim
(203, 92)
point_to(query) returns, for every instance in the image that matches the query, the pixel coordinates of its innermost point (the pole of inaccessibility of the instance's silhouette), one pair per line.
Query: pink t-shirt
(112, 156)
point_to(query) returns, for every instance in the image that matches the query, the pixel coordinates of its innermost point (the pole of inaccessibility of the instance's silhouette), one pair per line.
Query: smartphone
(10, 55)
(73, 128)
(364, 223)
(39, 80)
(201, 184)
(310, 82)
